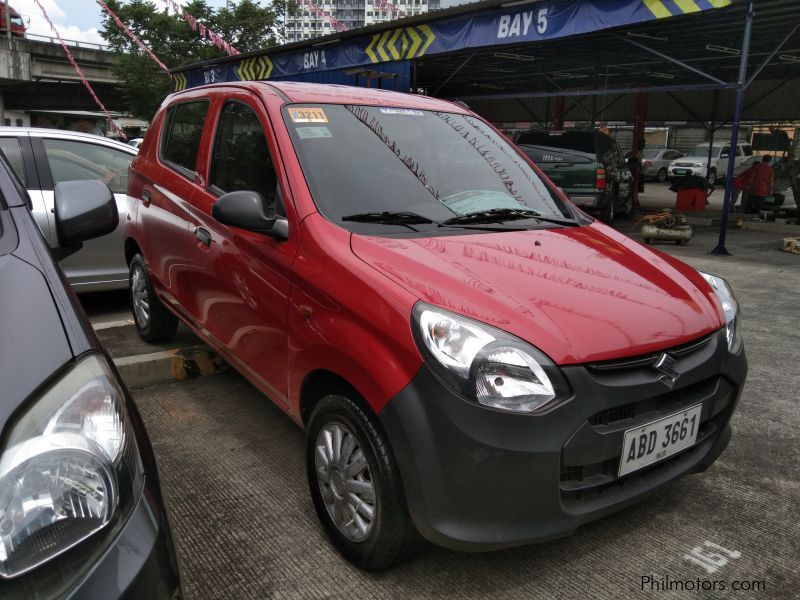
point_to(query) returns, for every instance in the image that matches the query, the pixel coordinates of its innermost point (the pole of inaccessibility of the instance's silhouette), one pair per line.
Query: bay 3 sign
(518, 24)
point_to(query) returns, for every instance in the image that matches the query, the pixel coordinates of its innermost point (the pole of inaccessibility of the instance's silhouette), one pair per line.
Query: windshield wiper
(388, 218)
(500, 215)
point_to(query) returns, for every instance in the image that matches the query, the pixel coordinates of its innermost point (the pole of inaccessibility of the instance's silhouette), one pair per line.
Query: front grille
(582, 482)
(645, 360)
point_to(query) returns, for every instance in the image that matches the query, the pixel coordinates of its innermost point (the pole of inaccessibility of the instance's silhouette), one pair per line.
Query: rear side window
(241, 159)
(748, 150)
(181, 139)
(13, 152)
(71, 161)
(582, 141)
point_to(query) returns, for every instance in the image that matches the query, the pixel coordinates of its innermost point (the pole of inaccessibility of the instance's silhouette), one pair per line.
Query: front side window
(13, 152)
(181, 139)
(241, 158)
(437, 165)
(70, 161)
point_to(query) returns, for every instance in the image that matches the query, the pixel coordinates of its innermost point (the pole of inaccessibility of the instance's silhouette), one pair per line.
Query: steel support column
(639, 119)
(737, 115)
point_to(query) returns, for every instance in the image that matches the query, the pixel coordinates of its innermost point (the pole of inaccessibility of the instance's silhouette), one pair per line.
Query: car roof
(318, 93)
(44, 131)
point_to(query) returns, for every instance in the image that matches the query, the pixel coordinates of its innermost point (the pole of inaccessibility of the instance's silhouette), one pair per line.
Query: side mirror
(723, 155)
(249, 210)
(83, 210)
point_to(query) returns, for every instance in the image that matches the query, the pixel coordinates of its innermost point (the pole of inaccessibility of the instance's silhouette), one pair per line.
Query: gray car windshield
(419, 168)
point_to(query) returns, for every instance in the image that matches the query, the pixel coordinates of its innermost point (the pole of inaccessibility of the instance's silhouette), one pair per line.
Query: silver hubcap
(141, 301)
(345, 481)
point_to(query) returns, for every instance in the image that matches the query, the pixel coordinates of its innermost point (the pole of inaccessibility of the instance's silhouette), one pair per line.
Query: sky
(75, 19)
(80, 19)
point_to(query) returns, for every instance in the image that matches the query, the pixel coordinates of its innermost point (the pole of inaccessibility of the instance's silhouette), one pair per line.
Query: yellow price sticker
(307, 115)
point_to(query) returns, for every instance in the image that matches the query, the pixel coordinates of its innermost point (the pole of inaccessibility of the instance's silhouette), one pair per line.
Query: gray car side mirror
(83, 210)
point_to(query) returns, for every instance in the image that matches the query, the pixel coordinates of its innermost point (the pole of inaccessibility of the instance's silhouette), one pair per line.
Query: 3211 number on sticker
(308, 115)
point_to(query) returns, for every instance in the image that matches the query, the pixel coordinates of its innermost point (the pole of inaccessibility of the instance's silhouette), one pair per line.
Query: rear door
(243, 279)
(165, 178)
(100, 263)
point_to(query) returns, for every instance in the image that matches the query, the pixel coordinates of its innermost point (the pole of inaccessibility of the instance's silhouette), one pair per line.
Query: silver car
(655, 162)
(44, 157)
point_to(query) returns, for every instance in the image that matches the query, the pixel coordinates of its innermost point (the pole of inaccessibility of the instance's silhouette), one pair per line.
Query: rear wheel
(607, 214)
(153, 322)
(661, 175)
(627, 208)
(355, 485)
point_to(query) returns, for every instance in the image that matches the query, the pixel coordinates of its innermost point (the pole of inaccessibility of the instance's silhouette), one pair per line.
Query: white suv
(694, 163)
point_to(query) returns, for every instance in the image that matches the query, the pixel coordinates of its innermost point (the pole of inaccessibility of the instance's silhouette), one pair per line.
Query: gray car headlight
(730, 308)
(485, 364)
(67, 461)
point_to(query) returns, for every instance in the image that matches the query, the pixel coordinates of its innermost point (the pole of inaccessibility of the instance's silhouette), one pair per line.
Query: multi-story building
(305, 23)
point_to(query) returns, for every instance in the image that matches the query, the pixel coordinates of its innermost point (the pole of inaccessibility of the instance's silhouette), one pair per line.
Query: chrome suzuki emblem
(665, 365)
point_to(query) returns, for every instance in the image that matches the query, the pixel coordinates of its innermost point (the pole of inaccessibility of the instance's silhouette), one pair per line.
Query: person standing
(759, 183)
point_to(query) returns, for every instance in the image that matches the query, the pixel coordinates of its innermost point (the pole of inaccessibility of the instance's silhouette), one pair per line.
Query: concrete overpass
(36, 75)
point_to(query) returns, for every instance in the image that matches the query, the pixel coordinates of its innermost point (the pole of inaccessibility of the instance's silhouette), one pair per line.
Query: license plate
(657, 440)
(682, 171)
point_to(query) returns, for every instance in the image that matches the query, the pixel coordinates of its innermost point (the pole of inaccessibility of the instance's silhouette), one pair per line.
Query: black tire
(627, 208)
(607, 214)
(158, 325)
(712, 176)
(391, 536)
(661, 176)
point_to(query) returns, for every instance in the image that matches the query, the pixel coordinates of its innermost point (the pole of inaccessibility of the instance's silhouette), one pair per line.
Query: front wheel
(712, 176)
(355, 486)
(607, 214)
(153, 322)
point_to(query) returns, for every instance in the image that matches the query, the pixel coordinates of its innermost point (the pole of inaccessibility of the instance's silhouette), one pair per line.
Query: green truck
(587, 165)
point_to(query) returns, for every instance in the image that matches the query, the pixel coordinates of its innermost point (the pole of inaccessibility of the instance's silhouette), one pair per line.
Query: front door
(242, 289)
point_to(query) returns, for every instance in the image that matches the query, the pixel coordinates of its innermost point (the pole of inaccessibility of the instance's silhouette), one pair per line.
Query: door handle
(146, 197)
(203, 236)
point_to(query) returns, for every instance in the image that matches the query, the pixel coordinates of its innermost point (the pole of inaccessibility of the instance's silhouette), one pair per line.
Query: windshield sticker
(404, 112)
(307, 115)
(308, 133)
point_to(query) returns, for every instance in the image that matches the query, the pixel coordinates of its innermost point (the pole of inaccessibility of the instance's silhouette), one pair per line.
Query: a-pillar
(639, 120)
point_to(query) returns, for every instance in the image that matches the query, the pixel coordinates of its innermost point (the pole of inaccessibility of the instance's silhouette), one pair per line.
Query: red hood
(579, 294)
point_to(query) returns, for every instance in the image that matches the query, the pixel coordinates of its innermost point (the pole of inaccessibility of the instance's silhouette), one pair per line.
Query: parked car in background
(696, 161)
(474, 360)
(746, 164)
(135, 142)
(655, 162)
(587, 165)
(81, 513)
(42, 158)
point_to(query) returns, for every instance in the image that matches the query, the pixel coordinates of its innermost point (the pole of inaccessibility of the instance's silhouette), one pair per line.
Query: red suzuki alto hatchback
(473, 359)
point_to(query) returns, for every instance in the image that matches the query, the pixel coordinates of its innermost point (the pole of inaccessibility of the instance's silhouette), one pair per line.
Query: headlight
(485, 364)
(730, 307)
(67, 461)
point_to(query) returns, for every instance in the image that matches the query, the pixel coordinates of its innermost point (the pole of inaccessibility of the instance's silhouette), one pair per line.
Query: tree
(244, 24)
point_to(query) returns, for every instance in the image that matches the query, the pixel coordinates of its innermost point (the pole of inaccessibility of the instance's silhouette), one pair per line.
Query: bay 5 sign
(475, 361)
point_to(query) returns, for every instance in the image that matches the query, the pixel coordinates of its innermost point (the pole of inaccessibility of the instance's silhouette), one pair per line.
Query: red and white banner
(131, 35)
(390, 7)
(204, 31)
(336, 24)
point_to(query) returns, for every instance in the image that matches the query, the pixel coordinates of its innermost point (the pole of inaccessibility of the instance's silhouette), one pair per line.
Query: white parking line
(110, 324)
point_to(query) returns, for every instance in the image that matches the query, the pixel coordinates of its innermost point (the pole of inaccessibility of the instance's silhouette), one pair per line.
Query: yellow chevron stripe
(404, 45)
(369, 49)
(429, 34)
(719, 3)
(657, 8)
(269, 67)
(688, 6)
(416, 41)
(381, 45)
(393, 44)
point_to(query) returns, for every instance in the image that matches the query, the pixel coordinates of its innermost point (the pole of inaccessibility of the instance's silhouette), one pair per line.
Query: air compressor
(667, 226)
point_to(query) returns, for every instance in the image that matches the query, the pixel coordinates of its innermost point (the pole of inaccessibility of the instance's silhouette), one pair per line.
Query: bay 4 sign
(496, 27)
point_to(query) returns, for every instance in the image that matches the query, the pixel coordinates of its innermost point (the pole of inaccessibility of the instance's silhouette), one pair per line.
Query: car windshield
(700, 151)
(380, 170)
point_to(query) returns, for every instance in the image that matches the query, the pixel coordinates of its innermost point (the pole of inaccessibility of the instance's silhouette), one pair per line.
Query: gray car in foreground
(43, 158)
(81, 514)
